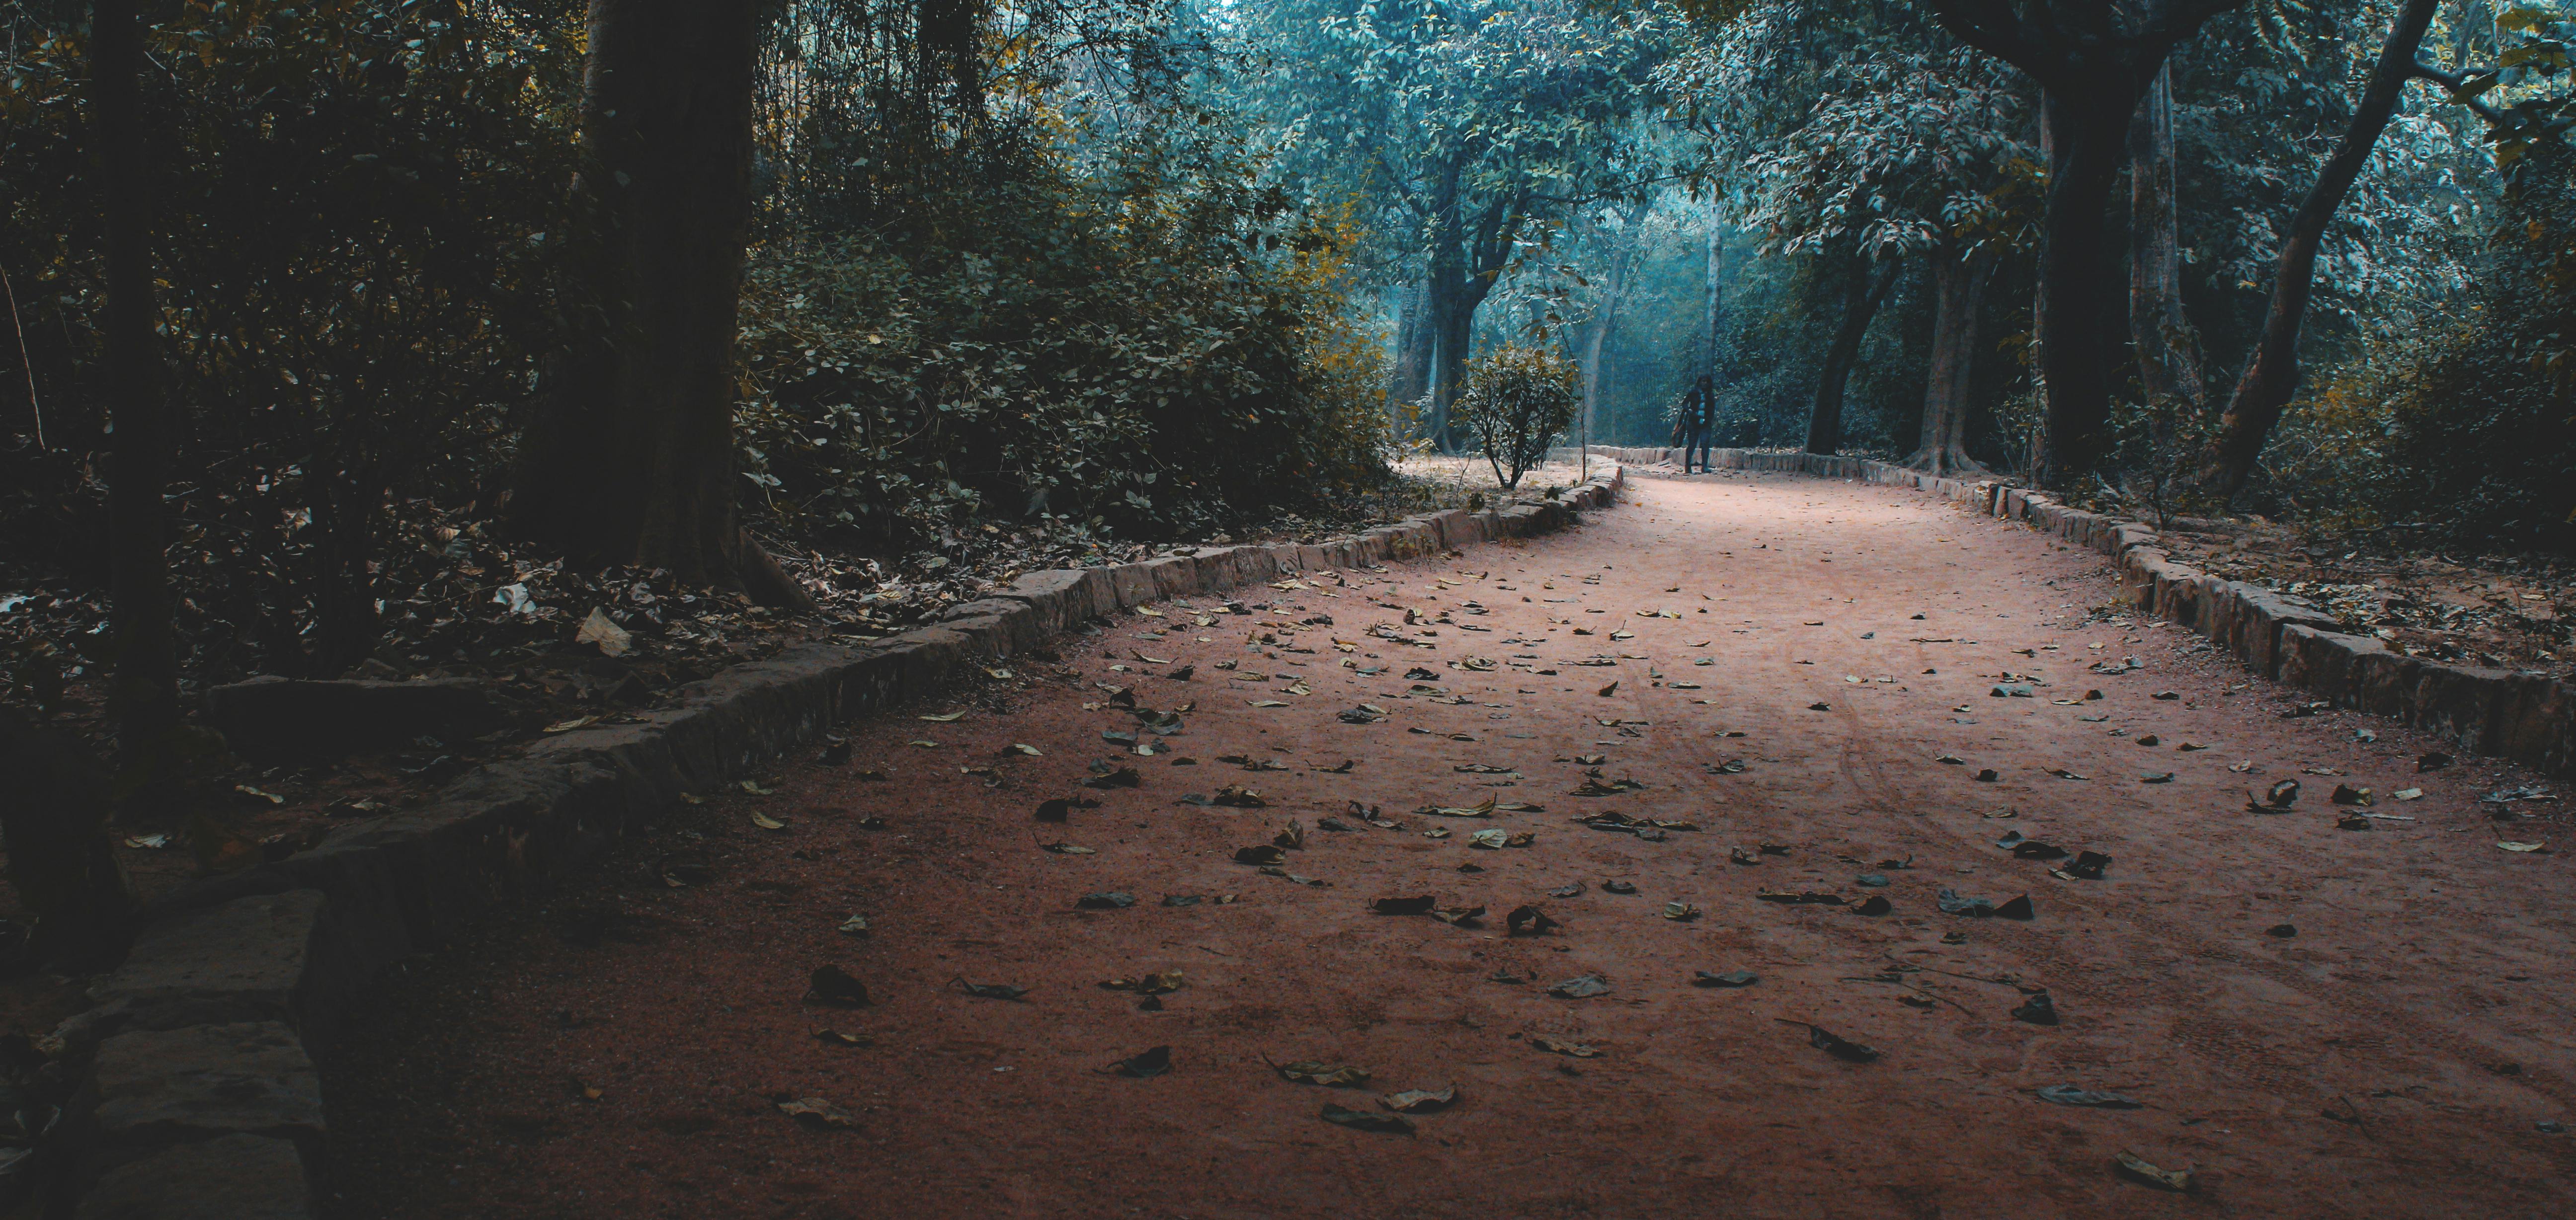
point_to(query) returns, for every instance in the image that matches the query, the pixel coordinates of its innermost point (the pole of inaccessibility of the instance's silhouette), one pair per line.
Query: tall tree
(145, 692)
(2168, 359)
(632, 459)
(1460, 127)
(2093, 62)
(1867, 288)
(1958, 291)
(2272, 376)
(1907, 152)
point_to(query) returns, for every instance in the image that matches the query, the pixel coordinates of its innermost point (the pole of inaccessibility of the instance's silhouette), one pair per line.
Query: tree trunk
(1959, 288)
(2273, 376)
(344, 503)
(2093, 62)
(1413, 350)
(1715, 308)
(145, 693)
(1860, 304)
(54, 811)
(2168, 359)
(1614, 286)
(2074, 315)
(633, 461)
(1457, 289)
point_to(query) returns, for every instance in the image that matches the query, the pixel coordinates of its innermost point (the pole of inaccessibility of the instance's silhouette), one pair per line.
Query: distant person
(1698, 422)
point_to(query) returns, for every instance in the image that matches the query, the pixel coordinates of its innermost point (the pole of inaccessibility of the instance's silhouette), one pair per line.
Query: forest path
(620, 1055)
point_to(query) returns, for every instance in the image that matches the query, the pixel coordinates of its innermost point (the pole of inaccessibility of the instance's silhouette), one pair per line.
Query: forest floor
(1799, 674)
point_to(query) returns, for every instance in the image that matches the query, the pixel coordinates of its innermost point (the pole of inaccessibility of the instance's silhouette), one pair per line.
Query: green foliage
(2464, 430)
(1518, 401)
(1132, 358)
(358, 209)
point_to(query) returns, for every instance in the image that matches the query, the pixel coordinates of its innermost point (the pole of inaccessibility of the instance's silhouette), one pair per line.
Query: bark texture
(2093, 62)
(2272, 377)
(144, 695)
(1868, 290)
(1413, 336)
(1958, 290)
(632, 459)
(2168, 355)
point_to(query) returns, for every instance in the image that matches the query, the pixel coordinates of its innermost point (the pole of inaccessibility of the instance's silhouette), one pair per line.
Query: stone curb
(2529, 718)
(203, 1097)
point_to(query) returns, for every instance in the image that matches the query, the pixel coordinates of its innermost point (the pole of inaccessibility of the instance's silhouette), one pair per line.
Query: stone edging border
(202, 1097)
(2529, 718)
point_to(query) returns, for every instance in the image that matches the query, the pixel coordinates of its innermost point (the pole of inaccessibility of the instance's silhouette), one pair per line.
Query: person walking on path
(1698, 423)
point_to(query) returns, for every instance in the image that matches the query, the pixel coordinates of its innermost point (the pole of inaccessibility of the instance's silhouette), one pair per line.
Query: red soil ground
(619, 1051)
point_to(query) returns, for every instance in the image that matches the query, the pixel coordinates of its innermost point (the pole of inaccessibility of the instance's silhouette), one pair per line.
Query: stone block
(158, 1088)
(2458, 702)
(2535, 723)
(1174, 576)
(2325, 662)
(270, 718)
(231, 1177)
(1132, 584)
(251, 959)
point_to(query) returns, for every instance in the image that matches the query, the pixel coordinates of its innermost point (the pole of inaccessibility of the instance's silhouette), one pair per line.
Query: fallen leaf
(818, 1113)
(1146, 1065)
(1732, 978)
(1527, 921)
(1575, 1049)
(2069, 1095)
(1420, 904)
(766, 822)
(1329, 1075)
(2135, 1168)
(2522, 847)
(1680, 911)
(604, 633)
(1367, 1120)
(945, 717)
(1840, 1048)
(833, 985)
(1420, 1101)
(991, 991)
(1580, 987)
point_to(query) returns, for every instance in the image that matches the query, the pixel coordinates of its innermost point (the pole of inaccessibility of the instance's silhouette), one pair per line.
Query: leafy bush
(1517, 401)
(2467, 429)
(1158, 355)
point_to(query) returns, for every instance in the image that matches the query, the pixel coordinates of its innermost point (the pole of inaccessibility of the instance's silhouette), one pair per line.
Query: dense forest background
(362, 306)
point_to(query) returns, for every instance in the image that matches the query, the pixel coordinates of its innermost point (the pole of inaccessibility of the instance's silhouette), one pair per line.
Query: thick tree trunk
(2273, 376)
(2093, 62)
(2075, 315)
(633, 460)
(1860, 304)
(2168, 357)
(1456, 292)
(145, 693)
(1959, 288)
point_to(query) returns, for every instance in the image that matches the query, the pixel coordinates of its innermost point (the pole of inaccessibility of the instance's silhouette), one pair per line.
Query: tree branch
(2453, 81)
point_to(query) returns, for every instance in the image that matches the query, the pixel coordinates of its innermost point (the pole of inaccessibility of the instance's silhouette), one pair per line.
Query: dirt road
(2312, 1021)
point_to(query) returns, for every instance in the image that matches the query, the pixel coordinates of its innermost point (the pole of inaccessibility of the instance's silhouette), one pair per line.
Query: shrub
(1518, 400)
